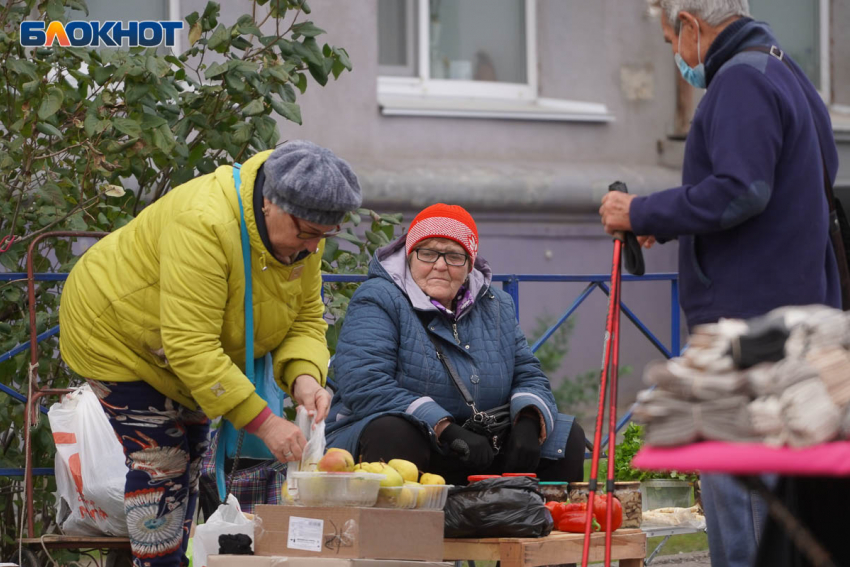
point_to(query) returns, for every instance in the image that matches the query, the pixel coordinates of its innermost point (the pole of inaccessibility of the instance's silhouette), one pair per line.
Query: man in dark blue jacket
(751, 215)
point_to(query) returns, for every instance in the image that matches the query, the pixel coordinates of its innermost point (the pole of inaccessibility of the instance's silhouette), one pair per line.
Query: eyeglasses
(431, 256)
(311, 235)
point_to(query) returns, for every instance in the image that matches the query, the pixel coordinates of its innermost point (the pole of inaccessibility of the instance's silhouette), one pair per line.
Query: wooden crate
(627, 546)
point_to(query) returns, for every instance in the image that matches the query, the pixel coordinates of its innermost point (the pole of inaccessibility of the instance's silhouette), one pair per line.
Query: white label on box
(305, 534)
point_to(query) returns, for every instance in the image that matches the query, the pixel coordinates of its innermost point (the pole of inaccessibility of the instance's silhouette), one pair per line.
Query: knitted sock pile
(783, 379)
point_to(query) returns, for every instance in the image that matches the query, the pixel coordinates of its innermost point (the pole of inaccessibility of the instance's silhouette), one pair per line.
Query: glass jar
(579, 492)
(554, 491)
(628, 493)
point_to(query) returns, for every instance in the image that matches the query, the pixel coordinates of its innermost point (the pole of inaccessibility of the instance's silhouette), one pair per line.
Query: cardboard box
(259, 561)
(350, 533)
(246, 561)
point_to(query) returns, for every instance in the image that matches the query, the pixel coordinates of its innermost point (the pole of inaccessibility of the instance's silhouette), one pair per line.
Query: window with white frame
(480, 48)
(802, 27)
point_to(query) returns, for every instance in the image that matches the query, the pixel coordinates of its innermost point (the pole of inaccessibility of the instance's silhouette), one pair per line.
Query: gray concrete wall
(582, 48)
(840, 62)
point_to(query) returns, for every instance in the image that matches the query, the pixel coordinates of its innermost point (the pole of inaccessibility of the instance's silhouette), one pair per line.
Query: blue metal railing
(510, 284)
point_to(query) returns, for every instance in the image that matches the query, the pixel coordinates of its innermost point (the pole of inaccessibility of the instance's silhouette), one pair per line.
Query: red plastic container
(477, 477)
(515, 474)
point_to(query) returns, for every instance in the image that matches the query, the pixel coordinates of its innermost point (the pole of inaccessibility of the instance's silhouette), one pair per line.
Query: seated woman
(397, 400)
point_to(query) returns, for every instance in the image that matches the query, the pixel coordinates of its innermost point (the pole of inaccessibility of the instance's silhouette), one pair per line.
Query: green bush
(91, 136)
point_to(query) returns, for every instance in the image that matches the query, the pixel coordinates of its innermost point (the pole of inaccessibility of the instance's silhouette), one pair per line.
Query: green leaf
(192, 18)
(319, 73)
(209, 18)
(51, 193)
(337, 69)
(307, 29)
(30, 87)
(331, 247)
(128, 126)
(103, 74)
(136, 92)
(51, 103)
(254, 108)
(219, 39)
(77, 221)
(242, 132)
(23, 67)
(163, 138)
(157, 66)
(308, 50)
(301, 82)
(342, 57)
(349, 238)
(246, 25)
(266, 129)
(288, 110)
(150, 121)
(279, 73)
(48, 129)
(56, 10)
(215, 70)
(234, 82)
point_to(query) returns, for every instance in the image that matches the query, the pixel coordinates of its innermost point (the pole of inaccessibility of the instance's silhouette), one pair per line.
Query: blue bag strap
(221, 482)
(246, 261)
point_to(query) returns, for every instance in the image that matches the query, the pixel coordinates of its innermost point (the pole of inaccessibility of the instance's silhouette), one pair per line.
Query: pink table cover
(828, 459)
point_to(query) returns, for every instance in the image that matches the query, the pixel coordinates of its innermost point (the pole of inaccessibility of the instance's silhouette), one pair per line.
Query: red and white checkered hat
(444, 221)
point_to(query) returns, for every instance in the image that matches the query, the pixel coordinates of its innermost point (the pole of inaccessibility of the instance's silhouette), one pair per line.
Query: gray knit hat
(311, 183)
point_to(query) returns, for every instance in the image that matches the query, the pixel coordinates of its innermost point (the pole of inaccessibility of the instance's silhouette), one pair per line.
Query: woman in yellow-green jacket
(153, 316)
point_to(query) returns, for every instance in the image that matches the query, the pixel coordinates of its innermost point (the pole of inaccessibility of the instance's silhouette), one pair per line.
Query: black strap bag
(494, 424)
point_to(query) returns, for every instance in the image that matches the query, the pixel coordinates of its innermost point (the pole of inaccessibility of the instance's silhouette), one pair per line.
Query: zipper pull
(454, 329)
(263, 261)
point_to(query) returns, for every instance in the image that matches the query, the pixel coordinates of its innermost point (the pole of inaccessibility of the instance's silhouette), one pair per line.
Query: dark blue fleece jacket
(751, 216)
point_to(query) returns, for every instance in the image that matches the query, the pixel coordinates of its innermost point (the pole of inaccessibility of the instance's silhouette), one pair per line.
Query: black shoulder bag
(839, 227)
(493, 424)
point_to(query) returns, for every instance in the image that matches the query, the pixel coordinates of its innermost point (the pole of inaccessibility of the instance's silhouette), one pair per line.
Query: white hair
(713, 12)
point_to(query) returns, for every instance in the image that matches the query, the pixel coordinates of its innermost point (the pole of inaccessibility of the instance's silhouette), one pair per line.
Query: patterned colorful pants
(164, 443)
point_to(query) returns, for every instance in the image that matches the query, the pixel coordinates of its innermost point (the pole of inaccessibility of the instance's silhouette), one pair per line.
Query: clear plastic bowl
(337, 489)
(433, 496)
(401, 497)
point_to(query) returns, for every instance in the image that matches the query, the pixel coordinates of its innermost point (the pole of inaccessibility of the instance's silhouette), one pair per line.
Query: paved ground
(696, 559)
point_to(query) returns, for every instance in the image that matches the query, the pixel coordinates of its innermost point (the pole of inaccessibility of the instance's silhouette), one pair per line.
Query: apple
(337, 460)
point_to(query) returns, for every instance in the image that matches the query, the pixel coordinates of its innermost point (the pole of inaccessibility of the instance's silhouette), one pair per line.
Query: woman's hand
(283, 438)
(307, 392)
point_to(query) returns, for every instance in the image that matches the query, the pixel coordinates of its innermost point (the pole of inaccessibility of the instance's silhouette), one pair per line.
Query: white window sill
(462, 107)
(840, 115)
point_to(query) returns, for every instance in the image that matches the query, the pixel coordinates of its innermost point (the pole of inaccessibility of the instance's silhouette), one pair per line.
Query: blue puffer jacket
(385, 363)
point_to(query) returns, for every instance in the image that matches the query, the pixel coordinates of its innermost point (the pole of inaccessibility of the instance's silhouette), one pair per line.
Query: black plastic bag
(497, 507)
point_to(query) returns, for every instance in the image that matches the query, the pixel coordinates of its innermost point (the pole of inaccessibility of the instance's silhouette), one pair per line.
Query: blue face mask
(693, 75)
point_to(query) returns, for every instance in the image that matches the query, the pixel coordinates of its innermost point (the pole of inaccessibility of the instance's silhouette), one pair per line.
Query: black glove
(473, 449)
(522, 451)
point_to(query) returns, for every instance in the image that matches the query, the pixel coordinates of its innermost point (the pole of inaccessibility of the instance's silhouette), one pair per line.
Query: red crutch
(610, 366)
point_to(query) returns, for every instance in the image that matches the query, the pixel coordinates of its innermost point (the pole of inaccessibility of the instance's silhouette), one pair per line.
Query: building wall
(840, 19)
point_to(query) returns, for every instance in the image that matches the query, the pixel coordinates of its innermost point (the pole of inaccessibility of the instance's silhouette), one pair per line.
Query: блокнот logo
(80, 33)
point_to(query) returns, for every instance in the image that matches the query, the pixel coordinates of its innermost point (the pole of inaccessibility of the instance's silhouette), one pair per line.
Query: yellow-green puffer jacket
(162, 300)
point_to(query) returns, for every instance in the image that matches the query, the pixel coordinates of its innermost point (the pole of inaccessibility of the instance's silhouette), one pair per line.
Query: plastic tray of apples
(339, 482)
(337, 488)
(404, 488)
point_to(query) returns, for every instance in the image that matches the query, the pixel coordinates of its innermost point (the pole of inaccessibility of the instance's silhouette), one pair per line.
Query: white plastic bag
(227, 520)
(90, 467)
(313, 452)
